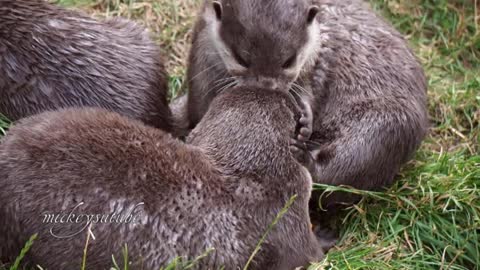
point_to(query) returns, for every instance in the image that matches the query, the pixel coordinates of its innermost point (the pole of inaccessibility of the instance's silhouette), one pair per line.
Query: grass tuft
(4, 124)
(23, 252)
(279, 216)
(429, 220)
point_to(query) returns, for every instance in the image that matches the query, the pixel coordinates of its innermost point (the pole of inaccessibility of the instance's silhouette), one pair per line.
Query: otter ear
(217, 7)
(312, 14)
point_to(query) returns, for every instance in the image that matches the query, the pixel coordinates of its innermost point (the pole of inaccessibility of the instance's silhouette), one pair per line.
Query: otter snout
(269, 83)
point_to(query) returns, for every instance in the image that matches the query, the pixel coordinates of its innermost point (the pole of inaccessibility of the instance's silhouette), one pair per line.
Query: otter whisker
(221, 77)
(228, 86)
(205, 70)
(219, 84)
(216, 54)
(295, 99)
(313, 143)
(294, 91)
(221, 81)
(302, 89)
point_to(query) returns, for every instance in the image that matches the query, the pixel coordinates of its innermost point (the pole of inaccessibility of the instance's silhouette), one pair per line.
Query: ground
(431, 218)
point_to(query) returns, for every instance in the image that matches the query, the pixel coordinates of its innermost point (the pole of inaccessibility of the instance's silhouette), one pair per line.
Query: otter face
(264, 43)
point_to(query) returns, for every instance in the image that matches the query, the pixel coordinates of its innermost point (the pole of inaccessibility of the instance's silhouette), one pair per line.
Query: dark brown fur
(53, 58)
(368, 89)
(221, 192)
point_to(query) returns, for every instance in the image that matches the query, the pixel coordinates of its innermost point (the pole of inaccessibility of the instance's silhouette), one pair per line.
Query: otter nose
(268, 83)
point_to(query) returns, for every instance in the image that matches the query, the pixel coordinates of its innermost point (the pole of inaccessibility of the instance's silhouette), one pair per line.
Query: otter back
(53, 58)
(222, 192)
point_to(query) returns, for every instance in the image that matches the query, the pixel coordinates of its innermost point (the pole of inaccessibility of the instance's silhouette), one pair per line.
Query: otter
(52, 58)
(221, 190)
(365, 87)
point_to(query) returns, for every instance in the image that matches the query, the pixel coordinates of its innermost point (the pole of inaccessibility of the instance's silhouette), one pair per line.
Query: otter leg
(374, 140)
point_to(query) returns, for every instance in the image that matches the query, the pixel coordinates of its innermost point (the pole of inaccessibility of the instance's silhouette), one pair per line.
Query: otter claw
(299, 151)
(305, 133)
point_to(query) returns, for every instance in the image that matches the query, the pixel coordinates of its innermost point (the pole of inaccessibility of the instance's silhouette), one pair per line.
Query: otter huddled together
(282, 93)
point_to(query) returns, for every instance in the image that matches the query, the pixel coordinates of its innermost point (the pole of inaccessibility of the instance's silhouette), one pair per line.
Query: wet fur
(221, 191)
(369, 90)
(53, 58)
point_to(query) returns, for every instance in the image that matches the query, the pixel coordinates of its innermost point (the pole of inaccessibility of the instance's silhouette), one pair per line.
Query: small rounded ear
(217, 7)
(312, 14)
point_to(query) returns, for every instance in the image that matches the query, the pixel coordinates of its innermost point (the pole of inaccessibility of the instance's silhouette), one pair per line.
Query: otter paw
(326, 236)
(298, 145)
(300, 152)
(305, 127)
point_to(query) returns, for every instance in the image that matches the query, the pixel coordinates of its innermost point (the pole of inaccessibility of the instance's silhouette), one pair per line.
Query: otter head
(264, 43)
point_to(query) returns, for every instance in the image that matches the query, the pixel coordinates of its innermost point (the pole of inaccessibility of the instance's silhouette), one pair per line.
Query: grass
(23, 252)
(282, 212)
(4, 123)
(431, 218)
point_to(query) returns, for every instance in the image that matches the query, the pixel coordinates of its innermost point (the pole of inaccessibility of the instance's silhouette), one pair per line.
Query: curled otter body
(53, 58)
(220, 192)
(370, 98)
(365, 86)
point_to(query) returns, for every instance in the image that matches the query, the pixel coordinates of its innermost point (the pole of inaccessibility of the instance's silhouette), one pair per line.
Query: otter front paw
(305, 125)
(302, 155)
(298, 145)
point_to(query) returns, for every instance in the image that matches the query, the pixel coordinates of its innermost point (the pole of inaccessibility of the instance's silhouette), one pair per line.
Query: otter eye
(290, 62)
(244, 63)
